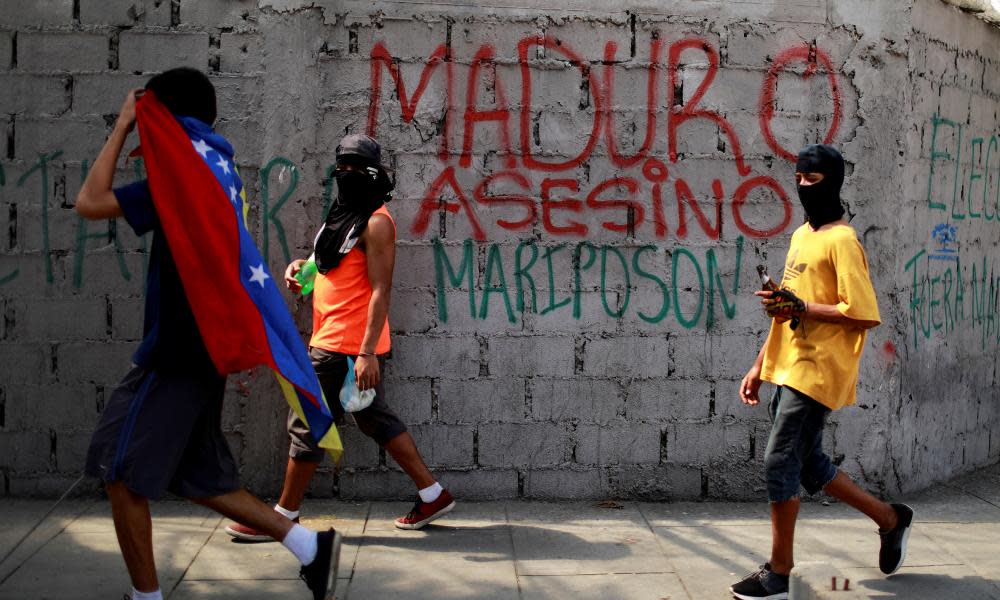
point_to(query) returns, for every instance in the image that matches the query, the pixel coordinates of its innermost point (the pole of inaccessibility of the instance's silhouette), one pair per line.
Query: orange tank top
(340, 305)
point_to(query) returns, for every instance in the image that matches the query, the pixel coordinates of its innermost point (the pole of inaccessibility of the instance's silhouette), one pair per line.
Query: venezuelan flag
(242, 317)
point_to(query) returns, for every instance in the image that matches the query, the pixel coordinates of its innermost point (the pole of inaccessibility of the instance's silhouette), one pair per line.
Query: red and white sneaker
(245, 533)
(423, 513)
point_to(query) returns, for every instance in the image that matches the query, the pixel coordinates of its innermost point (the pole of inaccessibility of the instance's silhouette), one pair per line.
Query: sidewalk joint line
(208, 538)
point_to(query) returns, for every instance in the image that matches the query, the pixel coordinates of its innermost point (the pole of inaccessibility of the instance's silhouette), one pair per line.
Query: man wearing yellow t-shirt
(820, 318)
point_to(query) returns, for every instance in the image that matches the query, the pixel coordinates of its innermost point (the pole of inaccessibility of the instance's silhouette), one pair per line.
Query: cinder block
(662, 482)
(25, 362)
(18, 13)
(34, 94)
(631, 356)
(412, 311)
(523, 445)
(146, 52)
(501, 34)
(444, 445)
(76, 138)
(481, 400)
(421, 356)
(241, 53)
(38, 407)
(531, 356)
(480, 484)
(57, 319)
(26, 452)
(6, 50)
(409, 39)
(702, 443)
(587, 38)
(102, 363)
(410, 399)
(103, 93)
(63, 51)
(561, 484)
(219, 13)
(360, 451)
(582, 400)
(71, 451)
(382, 484)
(662, 399)
(620, 443)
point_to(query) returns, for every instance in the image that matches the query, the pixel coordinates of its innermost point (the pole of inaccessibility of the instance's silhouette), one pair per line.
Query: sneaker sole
(331, 582)
(420, 524)
(778, 596)
(902, 551)
(246, 537)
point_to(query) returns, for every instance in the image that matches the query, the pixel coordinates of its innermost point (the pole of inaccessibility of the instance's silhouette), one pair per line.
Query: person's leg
(404, 451)
(795, 439)
(134, 528)
(783, 517)
(298, 474)
(244, 507)
(844, 489)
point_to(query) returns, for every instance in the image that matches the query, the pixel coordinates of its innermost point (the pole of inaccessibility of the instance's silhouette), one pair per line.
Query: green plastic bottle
(307, 277)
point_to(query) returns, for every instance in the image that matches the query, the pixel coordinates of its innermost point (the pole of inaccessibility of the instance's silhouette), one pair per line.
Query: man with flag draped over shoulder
(211, 308)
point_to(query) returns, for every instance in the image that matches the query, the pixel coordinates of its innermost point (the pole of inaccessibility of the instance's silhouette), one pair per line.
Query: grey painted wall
(572, 310)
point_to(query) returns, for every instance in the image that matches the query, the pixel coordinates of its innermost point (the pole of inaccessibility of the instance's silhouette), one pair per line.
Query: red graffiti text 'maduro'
(558, 203)
(810, 55)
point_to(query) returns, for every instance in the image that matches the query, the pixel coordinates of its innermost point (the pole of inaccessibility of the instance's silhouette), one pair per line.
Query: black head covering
(821, 201)
(186, 92)
(360, 192)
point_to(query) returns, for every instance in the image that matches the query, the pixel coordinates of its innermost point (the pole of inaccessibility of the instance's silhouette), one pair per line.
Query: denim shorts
(794, 455)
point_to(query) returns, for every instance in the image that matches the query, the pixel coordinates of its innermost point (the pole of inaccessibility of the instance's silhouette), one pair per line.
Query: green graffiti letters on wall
(619, 273)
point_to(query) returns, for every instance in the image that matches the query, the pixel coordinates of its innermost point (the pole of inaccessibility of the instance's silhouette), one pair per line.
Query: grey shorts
(163, 431)
(378, 421)
(794, 455)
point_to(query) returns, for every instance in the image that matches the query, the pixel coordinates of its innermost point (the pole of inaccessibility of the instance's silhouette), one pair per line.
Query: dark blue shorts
(162, 431)
(794, 455)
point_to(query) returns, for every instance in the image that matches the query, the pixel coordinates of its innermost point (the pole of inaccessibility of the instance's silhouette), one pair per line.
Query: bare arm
(750, 386)
(95, 199)
(828, 313)
(380, 248)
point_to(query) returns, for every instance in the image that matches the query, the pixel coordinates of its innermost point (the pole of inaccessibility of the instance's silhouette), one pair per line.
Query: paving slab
(659, 586)
(513, 550)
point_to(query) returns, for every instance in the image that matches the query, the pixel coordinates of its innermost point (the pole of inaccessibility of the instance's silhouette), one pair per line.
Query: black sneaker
(321, 574)
(762, 584)
(893, 550)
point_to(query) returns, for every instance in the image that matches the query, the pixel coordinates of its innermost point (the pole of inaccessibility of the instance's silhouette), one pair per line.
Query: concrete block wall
(582, 197)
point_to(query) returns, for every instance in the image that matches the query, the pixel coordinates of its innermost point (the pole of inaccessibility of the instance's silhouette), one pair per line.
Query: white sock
(431, 492)
(302, 543)
(291, 514)
(137, 595)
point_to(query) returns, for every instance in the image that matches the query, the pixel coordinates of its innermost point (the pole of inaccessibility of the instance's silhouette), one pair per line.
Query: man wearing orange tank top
(354, 253)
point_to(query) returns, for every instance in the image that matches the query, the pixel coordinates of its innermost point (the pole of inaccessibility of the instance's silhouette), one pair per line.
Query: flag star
(224, 164)
(202, 148)
(232, 194)
(259, 274)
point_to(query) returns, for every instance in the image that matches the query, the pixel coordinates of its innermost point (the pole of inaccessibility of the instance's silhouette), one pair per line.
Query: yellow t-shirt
(821, 359)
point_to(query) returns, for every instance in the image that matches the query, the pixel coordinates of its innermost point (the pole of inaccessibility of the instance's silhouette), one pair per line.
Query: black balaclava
(821, 201)
(360, 192)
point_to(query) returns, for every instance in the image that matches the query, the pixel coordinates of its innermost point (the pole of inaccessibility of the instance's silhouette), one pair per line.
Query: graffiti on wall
(648, 200)
(955, 278)
(639, 200)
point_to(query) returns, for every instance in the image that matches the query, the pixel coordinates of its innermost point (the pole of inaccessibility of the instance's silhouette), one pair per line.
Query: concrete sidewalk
(529, 550)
